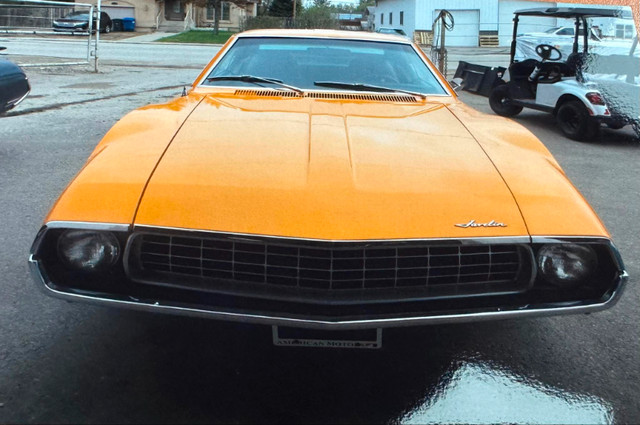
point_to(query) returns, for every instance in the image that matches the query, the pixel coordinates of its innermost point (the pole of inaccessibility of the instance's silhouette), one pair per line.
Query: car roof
(345, 35)
(571, 12)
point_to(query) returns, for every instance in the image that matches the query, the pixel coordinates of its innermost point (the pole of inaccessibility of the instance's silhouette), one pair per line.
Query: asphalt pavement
(76, 363)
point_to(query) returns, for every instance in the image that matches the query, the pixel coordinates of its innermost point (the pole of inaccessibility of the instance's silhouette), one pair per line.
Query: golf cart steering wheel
(545, 51)
(549, 76)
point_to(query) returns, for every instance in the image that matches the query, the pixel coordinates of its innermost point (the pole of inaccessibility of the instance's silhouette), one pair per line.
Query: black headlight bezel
(45, 251)
(585, 254)
(107, 236)
(596, 286)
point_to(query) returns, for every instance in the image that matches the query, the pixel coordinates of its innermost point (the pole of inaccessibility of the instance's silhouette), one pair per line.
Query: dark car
(394, 31)
(79, 21)
(14, 85)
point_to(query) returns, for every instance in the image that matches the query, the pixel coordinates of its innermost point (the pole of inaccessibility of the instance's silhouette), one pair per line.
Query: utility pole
(95, 52)
(294, 9)
(441, 58)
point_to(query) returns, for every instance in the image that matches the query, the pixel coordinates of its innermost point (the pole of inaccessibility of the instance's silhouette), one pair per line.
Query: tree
(217, 7)
(284, 8)
(363, 4)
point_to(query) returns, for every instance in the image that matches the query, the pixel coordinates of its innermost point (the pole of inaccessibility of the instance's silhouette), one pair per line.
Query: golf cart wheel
(500, 102)
(575, 122)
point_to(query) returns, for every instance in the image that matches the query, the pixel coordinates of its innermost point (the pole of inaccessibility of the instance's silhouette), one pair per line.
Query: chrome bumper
(270, 319)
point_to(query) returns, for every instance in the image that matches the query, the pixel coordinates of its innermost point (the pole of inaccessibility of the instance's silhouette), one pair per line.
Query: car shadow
(545, 122)
(136, 367)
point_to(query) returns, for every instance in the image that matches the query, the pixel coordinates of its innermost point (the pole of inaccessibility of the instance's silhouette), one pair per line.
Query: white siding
(488, 11)
(466, 28)
(606, 25)
(396, 6)
(526, 24)
(495, 15)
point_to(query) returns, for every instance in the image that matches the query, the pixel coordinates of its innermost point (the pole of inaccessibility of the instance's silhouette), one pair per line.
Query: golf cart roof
(571, 12)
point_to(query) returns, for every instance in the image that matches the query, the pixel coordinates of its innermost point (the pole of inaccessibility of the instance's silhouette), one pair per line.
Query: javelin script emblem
(473, 223)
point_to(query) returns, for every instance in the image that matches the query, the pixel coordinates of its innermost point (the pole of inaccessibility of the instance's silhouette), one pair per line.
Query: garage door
(119, 12)
(466, 29)
(527, 24)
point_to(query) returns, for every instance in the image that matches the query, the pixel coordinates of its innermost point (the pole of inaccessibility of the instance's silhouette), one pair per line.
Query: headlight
(566, 264)
(88, 250)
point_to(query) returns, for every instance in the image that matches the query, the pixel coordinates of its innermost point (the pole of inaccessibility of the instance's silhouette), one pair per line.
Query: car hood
(326, 169)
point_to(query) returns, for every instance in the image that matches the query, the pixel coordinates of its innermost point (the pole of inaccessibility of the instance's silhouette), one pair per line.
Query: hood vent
(267, 93)
(368, 96)
(377, 97)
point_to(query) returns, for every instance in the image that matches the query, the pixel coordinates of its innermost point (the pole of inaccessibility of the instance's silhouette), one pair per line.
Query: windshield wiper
(254, 79)
(365, 87)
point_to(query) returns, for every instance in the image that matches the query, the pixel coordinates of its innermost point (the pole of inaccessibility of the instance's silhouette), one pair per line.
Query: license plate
(355, 339)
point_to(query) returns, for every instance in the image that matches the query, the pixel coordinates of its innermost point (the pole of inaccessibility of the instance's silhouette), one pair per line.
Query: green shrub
(315, 17)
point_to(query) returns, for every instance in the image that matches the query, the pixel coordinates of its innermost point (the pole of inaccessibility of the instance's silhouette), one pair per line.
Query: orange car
(329, 180)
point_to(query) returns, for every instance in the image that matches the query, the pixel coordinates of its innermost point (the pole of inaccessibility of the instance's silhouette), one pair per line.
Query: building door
(174, 10)
(119, 12)
(466, 29)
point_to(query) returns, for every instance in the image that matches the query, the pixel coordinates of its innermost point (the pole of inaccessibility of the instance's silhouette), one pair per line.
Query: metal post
(587, 31)
(90, 30)
(97, 36)
(516, 20)
(294, 10)
(441, 58)
(577, 36)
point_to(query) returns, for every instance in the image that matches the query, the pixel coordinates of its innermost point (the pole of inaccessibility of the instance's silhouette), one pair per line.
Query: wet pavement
(493, 394)
(76, 363)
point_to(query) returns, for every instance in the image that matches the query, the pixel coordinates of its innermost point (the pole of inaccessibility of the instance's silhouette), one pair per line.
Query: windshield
(301, 62)
(552, 30)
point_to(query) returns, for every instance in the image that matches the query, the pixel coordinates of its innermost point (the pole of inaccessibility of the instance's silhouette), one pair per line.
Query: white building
(474, 20)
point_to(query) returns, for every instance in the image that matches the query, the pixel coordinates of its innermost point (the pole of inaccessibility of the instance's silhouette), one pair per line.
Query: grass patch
(199, 37)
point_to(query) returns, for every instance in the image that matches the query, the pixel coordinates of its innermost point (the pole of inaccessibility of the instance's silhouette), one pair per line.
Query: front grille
(337, 268)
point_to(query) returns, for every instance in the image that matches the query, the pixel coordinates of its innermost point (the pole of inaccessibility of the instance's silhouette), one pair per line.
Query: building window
(624, 31)
(382, 19)
(390, 18)
(224, 8)
(401, 18)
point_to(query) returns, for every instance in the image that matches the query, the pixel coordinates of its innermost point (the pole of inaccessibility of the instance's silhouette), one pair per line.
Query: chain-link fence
(30, 17)
(43, 18)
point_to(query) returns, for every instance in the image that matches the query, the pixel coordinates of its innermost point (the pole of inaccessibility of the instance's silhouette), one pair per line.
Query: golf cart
(554, 82)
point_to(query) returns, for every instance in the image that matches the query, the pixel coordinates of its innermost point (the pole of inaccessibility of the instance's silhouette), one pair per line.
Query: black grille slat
(331, 267)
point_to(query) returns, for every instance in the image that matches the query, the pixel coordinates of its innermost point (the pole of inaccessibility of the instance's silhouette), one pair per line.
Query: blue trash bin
(129, 24)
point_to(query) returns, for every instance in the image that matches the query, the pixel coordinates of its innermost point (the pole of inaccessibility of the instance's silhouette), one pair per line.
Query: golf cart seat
(522, 70)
